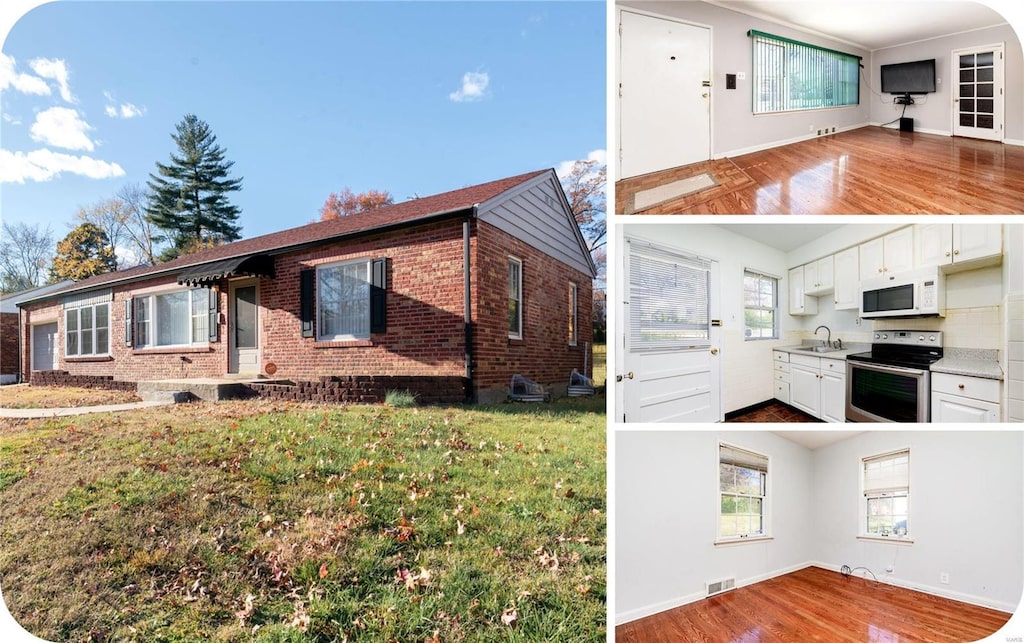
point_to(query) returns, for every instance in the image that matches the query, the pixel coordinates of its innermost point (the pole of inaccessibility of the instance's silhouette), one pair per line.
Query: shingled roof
(321, 231)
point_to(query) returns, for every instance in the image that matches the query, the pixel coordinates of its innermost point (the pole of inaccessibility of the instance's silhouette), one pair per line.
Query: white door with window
(664, 94)
(978, 92)
(44, 347)
(243, 329)
(670, 369)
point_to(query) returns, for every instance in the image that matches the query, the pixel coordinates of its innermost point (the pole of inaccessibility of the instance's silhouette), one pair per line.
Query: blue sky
(307, 98)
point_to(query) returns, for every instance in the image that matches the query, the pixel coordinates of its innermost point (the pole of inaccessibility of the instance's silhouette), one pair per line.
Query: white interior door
(664, 94)
(44, 347)
(978, 92)
(671, 364)
(244, 328)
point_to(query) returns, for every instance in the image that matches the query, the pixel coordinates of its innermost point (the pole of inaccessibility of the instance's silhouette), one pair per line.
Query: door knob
(705, 94)
(714, 351)
(629, 375)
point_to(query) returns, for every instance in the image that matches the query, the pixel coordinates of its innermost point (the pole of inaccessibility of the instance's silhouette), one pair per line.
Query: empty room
(857, 107)
(817, 535)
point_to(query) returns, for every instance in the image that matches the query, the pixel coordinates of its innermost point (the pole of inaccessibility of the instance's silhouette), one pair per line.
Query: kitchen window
(573, 314)
(760, 306)
(743, 494)
(515, 298)
(87, 330)
(790, 75)
(343, 301)
(178, 318)
(885, 508)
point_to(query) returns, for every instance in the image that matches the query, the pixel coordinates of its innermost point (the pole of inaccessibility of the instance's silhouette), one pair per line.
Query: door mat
(671, 191)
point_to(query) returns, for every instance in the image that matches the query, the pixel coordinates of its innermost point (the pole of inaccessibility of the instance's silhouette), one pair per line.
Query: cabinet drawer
(782, 392)
(780, 356)
(781, 377)
(836, 366)
(781, 367)
(977, 388)
(806, 360)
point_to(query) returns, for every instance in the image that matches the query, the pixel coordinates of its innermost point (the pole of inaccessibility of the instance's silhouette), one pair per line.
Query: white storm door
(664, 94)
(978, 92)
(243, 331)
(671, 365)
(44, 347)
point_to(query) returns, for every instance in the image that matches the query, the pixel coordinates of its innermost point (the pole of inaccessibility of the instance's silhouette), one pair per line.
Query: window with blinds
(668, 299)
(790, 75)
(743, 491)
(886, 482)
(760, 306)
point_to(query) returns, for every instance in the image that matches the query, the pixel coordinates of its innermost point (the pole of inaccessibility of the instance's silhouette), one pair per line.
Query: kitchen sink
(817, 349)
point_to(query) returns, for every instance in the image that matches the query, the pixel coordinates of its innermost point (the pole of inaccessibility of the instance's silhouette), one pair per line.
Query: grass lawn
(600, 364)
(270, 521)
(23, 396)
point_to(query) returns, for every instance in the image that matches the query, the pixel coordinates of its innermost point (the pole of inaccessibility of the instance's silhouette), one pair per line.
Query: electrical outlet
(888, 569)
(833, 130)
(741, 75)
(944, 578)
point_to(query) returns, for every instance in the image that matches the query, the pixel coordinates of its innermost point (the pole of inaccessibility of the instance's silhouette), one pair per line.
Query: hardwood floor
(870, 170)
(815, 604)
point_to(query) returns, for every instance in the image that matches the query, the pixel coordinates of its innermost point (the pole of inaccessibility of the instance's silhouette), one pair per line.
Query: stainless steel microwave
(914, 293)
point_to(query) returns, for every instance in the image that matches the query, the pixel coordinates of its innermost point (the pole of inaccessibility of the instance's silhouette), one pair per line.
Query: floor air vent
(719, 586)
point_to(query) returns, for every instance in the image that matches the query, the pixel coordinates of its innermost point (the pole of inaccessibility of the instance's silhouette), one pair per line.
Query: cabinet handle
(879, 270)
(947, 253)
(960, 386)
(956, 252)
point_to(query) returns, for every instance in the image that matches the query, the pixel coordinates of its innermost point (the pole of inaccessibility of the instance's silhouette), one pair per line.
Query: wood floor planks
(815, 604)
(870, 170)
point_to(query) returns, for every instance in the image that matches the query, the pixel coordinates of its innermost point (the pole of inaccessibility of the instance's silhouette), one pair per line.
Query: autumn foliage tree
(584, 187)
(83, 253)
(345, 203)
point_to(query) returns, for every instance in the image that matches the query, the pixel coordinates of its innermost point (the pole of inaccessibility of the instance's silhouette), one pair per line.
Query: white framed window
(87, 330)
(515, 298)
(789, 75)
(343, 300)
(171, 318)
(885, 501)
(760, 306)
(742, 494)
(574, 314)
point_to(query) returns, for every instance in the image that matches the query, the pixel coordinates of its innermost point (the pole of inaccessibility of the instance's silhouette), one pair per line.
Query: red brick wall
(543, 354)
(8, 343)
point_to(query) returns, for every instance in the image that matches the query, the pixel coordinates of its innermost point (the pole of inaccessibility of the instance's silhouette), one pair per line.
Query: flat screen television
(909, 78)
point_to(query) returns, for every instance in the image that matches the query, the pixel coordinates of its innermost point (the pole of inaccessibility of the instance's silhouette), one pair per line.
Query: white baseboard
(923, 130)
(655, 608)
(935, 591)
(789, 141)
(1014, 141)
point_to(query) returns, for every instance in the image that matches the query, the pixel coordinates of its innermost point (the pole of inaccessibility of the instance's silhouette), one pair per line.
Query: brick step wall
(367, 389)
(63, 378)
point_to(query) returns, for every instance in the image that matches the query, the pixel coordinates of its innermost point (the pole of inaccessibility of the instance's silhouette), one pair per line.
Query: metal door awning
(244, 266)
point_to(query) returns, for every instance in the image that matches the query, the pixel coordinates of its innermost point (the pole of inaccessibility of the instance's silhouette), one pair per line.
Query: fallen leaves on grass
(510, 617)
(413, 582)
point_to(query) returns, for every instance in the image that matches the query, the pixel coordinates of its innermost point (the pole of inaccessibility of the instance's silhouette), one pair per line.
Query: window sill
(342, 343)
(887, 539)
(172, 350)
(743, 541)
(89, 358)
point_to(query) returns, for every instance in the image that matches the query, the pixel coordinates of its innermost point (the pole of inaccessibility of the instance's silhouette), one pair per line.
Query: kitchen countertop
(854, 347)
(971, 362)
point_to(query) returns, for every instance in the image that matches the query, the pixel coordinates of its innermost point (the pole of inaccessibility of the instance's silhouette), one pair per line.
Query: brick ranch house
(447, 296)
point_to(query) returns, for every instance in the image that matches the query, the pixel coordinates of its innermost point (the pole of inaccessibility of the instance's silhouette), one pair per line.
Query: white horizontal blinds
(887, 474)
(668, 299)
(790, 75)
(87, 299)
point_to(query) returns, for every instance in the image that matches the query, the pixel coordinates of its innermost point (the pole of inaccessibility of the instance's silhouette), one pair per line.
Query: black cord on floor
(890, 123)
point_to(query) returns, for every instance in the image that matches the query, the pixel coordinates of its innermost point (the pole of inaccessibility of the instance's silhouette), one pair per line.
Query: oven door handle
(888, 369)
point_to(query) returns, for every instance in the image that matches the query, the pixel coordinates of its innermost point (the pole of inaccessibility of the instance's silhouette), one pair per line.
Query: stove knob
(920, 338)
(877, 336)
(885, 336)
(931, 338)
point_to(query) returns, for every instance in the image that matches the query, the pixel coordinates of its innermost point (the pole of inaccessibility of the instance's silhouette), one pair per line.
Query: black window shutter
(378, 297)
(214, 318)
(128, 306)
(306, 283)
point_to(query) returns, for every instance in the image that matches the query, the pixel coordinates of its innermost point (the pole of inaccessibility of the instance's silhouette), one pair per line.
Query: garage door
(44, 347)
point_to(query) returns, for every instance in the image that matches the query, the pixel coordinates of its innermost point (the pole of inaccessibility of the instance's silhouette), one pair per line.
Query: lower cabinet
(833, 396)
(805, 387)
(818, 387)
(960, 398)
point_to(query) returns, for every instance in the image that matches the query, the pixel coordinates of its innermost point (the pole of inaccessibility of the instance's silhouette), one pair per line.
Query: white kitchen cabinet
(799, 302)
(946, 244)
(846, 279)
(977, 241)
(833, 390)
(961, 398)
(892, 253)
(819, 277)
(933, 244)
(780, 382)
(805, 386)
(815, 385)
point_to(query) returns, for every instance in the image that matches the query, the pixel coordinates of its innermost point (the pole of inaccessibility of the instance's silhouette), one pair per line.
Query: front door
(244, 328)
(978, 93)
(664, 94)
(670, 371)
(44, 347)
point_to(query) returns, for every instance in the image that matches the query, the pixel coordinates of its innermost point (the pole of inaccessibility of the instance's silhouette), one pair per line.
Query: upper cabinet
(958, 247)
(819, 277)
(847, 279)
(799, 302)
(892, 253)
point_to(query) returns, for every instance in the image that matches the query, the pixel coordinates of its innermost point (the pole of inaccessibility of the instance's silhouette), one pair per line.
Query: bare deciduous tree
(25, 253)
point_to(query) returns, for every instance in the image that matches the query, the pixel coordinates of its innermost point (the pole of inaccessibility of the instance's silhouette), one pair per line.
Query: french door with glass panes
(978, 92)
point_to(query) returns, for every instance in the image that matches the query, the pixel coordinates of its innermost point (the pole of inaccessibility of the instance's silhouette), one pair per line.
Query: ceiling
(816, 439)
(873, 25)
(782, 236)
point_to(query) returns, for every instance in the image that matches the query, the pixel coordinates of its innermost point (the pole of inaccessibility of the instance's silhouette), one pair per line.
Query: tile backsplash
(980, 327)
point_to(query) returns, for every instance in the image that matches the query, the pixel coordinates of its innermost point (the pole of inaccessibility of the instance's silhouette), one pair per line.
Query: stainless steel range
(892, 382)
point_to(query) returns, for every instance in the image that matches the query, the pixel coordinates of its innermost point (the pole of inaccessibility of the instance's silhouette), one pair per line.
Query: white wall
(665, 509)
(1013, 311)
(967, 514)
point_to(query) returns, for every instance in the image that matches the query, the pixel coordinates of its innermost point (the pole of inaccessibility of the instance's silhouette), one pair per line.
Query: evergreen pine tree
(189, 198)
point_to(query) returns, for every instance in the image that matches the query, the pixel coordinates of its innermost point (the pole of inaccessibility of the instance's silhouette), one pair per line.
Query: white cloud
(13, 120)
(43, 165)
(24, 83)
(565, 167)
(54, 69)
(111, 111)
(131, 111)
(126, 110)
(62, 127)
(474, 87)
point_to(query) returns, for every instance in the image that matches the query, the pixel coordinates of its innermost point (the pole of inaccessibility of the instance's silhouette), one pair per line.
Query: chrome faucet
(828, 342)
